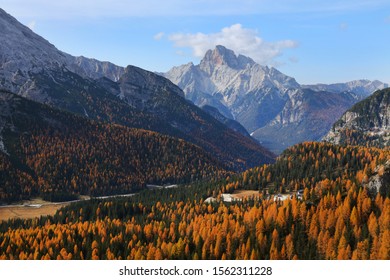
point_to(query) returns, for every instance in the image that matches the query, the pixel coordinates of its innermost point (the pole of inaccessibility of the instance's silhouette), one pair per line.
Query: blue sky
(312, 41)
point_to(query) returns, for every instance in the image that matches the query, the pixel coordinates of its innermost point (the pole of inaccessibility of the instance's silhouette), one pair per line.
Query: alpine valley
(99, 161)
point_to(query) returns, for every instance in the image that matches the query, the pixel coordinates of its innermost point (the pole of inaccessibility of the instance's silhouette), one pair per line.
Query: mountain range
(32, 67)
(74, 128)
(273, 107)
(360, 88)
(235, 97)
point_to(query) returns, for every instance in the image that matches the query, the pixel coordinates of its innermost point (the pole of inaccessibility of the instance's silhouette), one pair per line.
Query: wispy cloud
(159, 36)
(387, 20)
(241, 40)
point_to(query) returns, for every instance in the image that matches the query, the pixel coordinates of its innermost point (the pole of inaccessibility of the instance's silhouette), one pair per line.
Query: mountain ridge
(362, 88)
(102, 91)
(19, 42)
(227, 88)
(58, 155)
(367, 123)
(261, 97)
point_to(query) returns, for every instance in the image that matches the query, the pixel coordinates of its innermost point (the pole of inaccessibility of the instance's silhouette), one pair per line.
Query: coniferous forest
(119, 163)
(337, 216)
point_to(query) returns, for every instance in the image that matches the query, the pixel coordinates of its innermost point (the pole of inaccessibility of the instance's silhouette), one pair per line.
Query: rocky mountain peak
(223, 56)
(236, 85)
(272, 106)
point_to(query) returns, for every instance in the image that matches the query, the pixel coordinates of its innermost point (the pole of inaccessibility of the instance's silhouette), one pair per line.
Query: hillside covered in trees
(73, 127)
(59, 156)
(337, 217)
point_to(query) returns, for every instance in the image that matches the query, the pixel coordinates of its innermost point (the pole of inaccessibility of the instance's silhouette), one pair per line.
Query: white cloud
(159, 36)
(241, 40)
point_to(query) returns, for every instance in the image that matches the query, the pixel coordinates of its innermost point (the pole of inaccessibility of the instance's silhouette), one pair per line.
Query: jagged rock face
(221, 57)
(307, 116)
(273, 107)
(23, 52)
(366, 123)
(95, 69)
(237, 86)
(379, 181)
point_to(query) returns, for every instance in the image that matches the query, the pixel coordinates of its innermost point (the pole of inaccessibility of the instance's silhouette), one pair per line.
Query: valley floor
(29, 211)
(36, 208)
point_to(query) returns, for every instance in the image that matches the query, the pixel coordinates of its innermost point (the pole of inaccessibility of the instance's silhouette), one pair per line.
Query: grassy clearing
(27, 212)
(240, 194)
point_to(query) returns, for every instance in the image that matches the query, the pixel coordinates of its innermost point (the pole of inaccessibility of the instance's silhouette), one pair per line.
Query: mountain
(24, 53)
(367, 123)
(237, 86)
(307, 115)
(32, 67)
(273, 107)
(232, 124)
(361, 88)
(157, 96)
(58, 155)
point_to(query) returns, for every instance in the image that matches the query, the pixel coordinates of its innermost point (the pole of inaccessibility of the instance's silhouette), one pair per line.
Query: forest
(106, 162)
(59, 156)
(338, 217)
